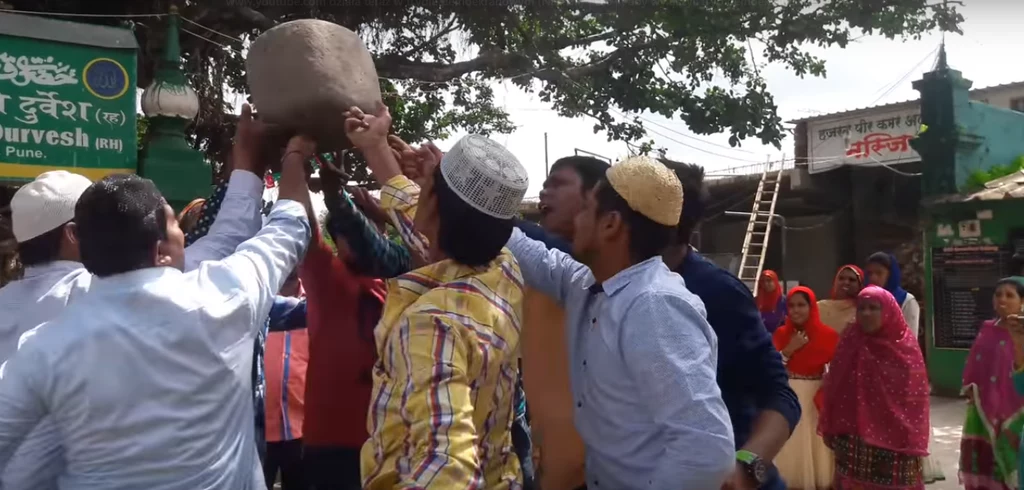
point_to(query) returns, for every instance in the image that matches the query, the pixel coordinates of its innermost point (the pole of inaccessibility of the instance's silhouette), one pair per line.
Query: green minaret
(180, 171)
(944, 145)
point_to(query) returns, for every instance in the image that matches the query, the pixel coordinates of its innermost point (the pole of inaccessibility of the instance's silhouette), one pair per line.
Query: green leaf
(684, 60)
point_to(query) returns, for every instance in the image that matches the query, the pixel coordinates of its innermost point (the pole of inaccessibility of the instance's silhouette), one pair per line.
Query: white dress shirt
(912, 313)
(45, 290)
(147, 375)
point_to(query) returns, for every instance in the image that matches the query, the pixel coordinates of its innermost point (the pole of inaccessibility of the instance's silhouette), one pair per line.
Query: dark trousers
(523, 445)
(285, 457)
(332, 468)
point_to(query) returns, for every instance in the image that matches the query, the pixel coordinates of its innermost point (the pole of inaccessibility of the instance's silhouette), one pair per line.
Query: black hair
(43, 248)
(695, 197)
(591, 170)
(1011, 282)
(882, 259)
(646, 237)
(1017, 263)
(119, 220)
(803, 295)
(465, 234)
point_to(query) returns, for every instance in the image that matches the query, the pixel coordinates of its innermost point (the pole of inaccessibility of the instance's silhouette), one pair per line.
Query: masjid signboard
(67, 98)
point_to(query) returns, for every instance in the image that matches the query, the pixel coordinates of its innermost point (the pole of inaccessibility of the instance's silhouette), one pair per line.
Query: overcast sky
(868, 72)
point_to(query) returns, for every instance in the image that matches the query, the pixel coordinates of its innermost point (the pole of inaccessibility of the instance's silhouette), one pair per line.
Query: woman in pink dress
(874, 403)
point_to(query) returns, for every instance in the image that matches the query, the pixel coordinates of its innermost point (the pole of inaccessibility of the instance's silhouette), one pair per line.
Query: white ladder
(755, 243)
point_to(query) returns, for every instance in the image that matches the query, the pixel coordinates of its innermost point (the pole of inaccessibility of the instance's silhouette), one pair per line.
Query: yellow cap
(649, 187)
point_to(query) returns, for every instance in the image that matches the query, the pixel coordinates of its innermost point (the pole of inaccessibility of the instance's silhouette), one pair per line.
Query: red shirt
(341, 312)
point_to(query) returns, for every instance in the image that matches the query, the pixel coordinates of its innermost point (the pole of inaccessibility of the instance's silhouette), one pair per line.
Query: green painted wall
(969, 242)
(996, 221)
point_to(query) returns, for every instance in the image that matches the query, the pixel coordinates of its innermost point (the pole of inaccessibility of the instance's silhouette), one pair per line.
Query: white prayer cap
(485, 175)
(46, 203)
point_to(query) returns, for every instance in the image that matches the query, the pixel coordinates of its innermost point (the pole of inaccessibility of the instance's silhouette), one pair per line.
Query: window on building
(1017, 104)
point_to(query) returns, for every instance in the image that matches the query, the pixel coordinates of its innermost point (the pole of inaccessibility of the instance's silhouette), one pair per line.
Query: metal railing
(743, 170)
(595, 155)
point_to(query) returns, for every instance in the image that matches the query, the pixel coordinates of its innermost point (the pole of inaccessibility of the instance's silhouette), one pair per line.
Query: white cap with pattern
(486, 176)
(45, 203)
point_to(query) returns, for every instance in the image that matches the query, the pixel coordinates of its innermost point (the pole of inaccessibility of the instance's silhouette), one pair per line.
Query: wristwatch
(756, 467)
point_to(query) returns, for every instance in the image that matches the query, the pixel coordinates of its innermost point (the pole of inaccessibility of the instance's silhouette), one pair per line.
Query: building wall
(886, 217)
(825, 140)
(1002, 228)
(815, 247)
(1000, 97)
(1002, 131)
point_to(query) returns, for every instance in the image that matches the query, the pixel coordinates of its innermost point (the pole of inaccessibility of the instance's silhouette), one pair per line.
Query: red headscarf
(809, 360)
(835, 282)
(877, 386)
(768, 302)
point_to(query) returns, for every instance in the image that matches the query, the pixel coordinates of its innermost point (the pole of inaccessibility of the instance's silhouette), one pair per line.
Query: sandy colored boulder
(303, 74)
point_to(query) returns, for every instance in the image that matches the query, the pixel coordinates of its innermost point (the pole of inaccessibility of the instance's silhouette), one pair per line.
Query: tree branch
(252, 17)
(508, 64)
(599, 65)
(443, 32)
(581, 41)
(400, 68)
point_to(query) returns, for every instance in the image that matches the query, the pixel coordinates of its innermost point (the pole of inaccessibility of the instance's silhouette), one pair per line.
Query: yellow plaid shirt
(448, 346)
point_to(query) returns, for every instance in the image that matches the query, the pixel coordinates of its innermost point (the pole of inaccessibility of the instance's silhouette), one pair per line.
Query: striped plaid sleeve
(436, 405)
(398, 198)
(378, 256)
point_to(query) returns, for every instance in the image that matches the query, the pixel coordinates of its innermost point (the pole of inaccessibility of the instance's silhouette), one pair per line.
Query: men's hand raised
(369, 134)
(416, 163)
(332, 177)
(246, 148)
(293, 171)
(406, 157)
(368, 131)
(370, 207)
(429, 157)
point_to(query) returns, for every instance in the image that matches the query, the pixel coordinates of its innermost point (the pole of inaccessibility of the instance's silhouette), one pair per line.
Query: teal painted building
(971, 233)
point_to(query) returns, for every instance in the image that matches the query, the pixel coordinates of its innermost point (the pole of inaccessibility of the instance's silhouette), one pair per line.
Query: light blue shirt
(147, 376)
(642, 367)
(47, 289)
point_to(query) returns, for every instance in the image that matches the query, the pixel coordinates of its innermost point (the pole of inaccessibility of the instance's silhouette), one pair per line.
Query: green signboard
(67, 98)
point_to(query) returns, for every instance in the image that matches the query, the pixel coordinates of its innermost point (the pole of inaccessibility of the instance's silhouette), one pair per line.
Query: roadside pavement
(947, 422)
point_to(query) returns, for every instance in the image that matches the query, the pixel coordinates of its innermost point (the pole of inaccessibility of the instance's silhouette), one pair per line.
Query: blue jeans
(523, 446)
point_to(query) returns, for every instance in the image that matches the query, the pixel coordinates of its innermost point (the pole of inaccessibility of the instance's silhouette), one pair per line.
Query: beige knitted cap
(649, 187)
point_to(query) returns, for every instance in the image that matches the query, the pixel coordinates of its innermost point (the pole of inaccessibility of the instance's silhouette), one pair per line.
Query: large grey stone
(303, 74)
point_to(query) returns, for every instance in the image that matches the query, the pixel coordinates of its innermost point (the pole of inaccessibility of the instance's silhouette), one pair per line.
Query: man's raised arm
(237, 218)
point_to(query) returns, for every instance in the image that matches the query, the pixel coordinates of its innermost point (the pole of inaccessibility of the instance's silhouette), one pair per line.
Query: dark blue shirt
(750, 371)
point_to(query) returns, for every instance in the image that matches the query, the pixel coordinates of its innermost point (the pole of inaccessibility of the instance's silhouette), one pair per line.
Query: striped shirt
(378, 256)
(285, 357)
(443, 385)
